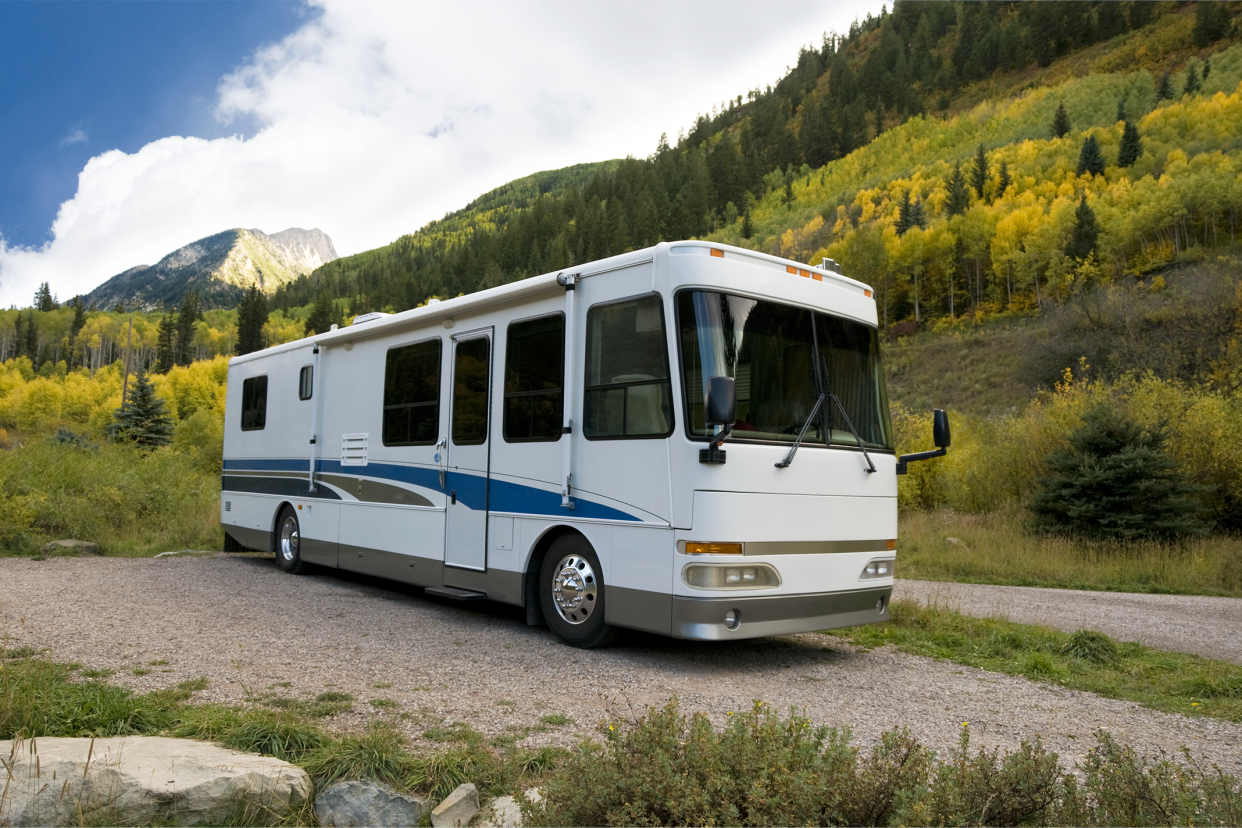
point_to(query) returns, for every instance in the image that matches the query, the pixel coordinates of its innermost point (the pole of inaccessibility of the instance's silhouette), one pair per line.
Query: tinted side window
(412, 394)
(306, 382)
(470, 381)
(627, 383)
(254, 403)
(534, 377)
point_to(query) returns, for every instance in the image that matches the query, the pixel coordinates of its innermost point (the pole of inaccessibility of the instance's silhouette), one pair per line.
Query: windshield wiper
(841, 408)
(789, 457)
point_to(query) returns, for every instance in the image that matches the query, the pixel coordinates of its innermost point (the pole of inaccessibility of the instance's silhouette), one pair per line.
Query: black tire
(572, 594)
(288, 541)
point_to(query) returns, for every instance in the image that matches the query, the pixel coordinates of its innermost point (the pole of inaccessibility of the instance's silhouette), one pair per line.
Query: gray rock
(458, 808)
(140, 780)
(72, 547)
(362, 802)
(501, 812)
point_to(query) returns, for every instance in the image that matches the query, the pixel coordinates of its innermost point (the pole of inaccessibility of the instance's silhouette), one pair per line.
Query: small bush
(1092, 646)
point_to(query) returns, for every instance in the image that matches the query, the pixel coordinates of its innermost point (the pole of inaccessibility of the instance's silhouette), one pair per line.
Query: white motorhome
(691, 439)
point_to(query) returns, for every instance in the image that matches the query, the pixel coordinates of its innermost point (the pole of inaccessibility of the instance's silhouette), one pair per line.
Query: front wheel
(571, 593)
(288, 540)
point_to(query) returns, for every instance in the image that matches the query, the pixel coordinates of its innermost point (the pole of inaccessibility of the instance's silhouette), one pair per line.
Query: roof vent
(433, 301)
(369, 317)
(831, 265)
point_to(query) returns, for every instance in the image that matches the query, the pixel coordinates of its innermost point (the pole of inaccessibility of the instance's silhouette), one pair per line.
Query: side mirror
(720, 402)
(940, 428)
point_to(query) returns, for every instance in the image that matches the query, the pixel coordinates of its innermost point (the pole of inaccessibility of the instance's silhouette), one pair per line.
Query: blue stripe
(471, 488)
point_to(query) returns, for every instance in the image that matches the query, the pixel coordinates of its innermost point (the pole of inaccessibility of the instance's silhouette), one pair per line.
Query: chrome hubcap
(289, 538)
(575, 589)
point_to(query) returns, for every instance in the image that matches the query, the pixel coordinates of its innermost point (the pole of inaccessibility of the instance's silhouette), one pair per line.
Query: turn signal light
(704, 548)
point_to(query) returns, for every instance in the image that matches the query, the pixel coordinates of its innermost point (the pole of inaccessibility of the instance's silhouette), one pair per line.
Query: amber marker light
(791, 269)
(867, 293)
(892, 544)
(705, 548)
(719, 254)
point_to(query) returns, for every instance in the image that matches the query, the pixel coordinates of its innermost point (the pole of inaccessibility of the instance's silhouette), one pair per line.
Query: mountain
(852, 156)
(220, 268)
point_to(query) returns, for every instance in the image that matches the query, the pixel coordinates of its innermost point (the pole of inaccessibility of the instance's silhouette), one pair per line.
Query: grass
(994, 549)
(1082, 660)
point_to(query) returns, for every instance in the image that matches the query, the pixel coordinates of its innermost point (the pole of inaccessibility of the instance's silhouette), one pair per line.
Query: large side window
(534, 378)
(254, 403)
(412, 394)
(627, 379)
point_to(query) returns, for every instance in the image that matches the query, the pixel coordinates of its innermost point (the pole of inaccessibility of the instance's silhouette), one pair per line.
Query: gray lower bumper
(702, 619)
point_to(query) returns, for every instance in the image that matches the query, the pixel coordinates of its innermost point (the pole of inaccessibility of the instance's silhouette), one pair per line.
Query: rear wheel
(571, 593)
(288, 540)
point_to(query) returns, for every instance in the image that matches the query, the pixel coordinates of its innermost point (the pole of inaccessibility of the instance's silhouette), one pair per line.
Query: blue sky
(133, 128)
(84, 77)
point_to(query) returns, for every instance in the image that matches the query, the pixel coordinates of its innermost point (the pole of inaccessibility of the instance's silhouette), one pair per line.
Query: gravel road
(247, 626)
(1210, 627)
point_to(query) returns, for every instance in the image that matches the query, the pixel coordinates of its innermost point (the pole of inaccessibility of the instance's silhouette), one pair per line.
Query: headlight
(878, 568)
(727, 576)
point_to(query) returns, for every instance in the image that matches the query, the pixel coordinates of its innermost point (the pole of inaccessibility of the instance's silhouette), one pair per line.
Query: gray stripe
(813, 547)
(372, 491)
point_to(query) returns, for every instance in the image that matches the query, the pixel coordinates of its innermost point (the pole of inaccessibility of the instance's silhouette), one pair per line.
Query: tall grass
(130, 503)
(995, 548)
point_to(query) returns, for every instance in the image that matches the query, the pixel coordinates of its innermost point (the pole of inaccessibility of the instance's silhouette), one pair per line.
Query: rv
(691, 439)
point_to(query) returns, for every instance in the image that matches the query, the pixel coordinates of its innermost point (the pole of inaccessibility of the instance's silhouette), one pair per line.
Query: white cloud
(376, 118)
(75, 136)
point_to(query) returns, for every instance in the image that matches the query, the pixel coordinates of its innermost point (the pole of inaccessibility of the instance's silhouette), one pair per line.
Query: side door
(468, 453)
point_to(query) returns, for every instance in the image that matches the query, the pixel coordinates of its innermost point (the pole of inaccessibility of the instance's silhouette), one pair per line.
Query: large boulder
(362, 802)
(136, 780)
(458, 808)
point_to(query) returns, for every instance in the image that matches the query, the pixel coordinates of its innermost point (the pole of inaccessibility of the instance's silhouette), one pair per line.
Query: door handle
(453, 497)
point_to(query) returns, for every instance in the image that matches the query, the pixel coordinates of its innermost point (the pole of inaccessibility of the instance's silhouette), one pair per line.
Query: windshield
(766, 347)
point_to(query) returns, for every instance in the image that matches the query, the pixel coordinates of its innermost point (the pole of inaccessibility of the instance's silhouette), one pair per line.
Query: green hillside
(821, 163)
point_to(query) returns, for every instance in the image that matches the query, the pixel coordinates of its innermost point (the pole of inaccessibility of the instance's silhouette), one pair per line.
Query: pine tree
(322, 316)
(1131, 148)
(1164, 88)
(19, 337)
(1002, 180)
(1115, 481)
(748, 228)
(903, 213)
(1090, 160)
(979, 176)
(1086, 233)
(187, 318)
(252, 315)
(141, 418)
(1192, 80)
(1207, 67)
(1060, 122)
(79, 317)
(31, 345)
(1212, 22)
(165, 344)
(959, 196)
(1121, 109)
(918, 215)
(43, 299)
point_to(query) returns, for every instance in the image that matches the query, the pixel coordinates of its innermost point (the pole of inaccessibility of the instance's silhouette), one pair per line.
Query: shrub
(1115, 480)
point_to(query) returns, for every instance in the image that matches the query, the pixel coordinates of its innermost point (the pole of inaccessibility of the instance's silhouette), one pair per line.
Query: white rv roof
(526, 287)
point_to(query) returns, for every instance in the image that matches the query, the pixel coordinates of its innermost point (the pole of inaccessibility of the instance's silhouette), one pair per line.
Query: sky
(129, 129)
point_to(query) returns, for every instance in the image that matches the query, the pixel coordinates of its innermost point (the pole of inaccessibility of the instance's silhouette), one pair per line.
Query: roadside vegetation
(1082, 660)
(661, 767)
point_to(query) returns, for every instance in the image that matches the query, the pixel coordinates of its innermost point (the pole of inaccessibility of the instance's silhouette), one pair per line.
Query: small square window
(306, 385)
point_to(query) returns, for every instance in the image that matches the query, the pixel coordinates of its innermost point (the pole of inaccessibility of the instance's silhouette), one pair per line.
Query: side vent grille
(228, 505)
(354, 449)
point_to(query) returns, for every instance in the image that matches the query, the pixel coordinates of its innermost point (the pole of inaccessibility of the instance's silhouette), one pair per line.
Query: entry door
(468, 455)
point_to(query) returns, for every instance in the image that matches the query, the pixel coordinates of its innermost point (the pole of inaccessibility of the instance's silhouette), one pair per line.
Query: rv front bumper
(721, 619)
